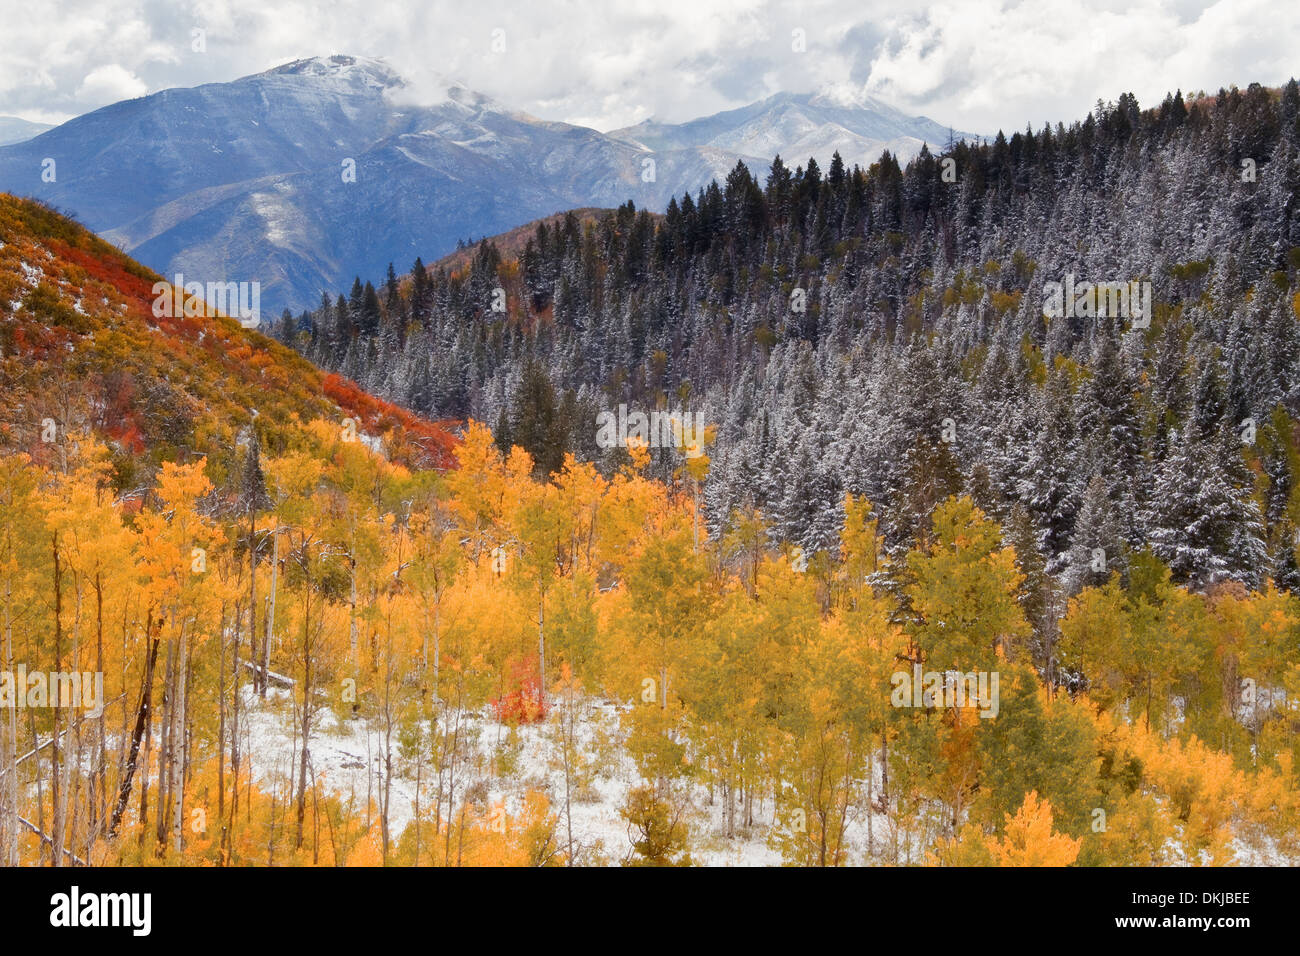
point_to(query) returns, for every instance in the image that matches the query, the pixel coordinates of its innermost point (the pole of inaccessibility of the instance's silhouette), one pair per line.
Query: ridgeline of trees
(880, 332)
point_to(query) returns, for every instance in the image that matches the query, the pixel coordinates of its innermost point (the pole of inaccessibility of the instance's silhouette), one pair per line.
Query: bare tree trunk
(148, 743)
(541, 648)
(252, 582)
(884, 765)
(871, 802)
(419, 773)
(56, 830)
(221, 722)
(270, 617)
(437, 643)
(142, 717)
(235, 703)
(386, 785)
(178, 763)
(566, 742)
(101, 769)
(352, 607)
(72, 788)
(9, 852)
(74, 798)
(306, 711)
(40, 782)
(729, 794)
(165, 743)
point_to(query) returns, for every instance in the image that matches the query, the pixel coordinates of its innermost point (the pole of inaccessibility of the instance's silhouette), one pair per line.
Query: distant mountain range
(797, 126)
(15, 130)
(253, 180)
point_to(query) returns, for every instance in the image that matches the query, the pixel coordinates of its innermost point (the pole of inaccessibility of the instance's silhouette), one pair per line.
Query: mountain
(246, 181)
(81, 347)
(15, 130)
(797, 126)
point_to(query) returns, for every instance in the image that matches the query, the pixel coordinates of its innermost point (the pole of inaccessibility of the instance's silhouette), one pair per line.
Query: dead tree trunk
(141, 719)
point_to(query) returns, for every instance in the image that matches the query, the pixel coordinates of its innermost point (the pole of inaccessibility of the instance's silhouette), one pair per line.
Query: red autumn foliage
(523, 703)
(111, 270)
(416, 441)
(176, 381)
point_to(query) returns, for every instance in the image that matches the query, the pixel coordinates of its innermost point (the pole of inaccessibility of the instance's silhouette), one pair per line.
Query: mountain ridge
(316, 170)
(866, 127)
(15, 129)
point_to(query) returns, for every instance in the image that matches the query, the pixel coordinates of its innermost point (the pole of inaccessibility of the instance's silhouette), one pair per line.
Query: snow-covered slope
(348, 759)
(801, 125)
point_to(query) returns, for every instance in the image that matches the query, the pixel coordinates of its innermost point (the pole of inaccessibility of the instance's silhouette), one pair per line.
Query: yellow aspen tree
(1029, 839)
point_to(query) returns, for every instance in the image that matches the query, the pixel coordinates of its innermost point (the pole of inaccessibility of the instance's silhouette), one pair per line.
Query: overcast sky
(977, 65)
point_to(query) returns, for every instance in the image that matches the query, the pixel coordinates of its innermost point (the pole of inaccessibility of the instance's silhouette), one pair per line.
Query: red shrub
(523, 703)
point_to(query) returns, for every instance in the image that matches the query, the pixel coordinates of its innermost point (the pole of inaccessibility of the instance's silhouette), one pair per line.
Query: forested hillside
(943, 582)
(880, 332)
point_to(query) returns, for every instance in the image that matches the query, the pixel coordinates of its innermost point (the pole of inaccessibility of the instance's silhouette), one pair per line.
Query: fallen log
(279, 680)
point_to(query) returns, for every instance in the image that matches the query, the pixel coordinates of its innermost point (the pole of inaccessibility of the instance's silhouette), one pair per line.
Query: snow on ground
(347, 759)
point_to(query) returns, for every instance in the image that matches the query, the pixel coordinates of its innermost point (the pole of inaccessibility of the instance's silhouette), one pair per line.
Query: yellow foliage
(1029, 840)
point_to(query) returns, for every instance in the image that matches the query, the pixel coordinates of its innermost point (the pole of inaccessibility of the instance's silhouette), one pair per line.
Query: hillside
(16, 130)
(81, 347)
(939, 580)
(884, 331)
(247, 179)
(510, 244)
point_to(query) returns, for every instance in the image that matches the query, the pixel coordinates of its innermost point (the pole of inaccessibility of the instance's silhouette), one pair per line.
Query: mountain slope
(245, 181)
(248, 181)
(797, 126)
(16, 130)
(830, 326)
(82, 350)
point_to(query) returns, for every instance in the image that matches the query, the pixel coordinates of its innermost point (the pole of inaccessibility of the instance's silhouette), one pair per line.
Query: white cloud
(974, 64)
(108, 84)
(991, 65)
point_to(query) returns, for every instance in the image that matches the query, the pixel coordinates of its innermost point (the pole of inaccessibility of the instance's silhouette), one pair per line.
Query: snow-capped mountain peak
(356, 70)
(799, 125)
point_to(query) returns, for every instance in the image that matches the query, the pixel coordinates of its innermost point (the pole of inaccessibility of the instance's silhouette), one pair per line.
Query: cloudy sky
(978, 65)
